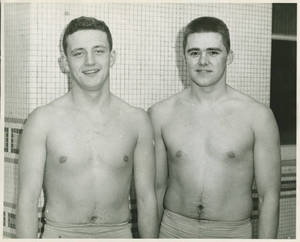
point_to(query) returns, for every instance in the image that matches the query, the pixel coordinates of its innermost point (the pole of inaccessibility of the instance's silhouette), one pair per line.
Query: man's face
(89, 58)
(206, 58)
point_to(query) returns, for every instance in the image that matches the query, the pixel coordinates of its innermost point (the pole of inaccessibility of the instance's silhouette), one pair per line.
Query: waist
(189, 220)
(54, 229)
(179, 226)
(57, 224)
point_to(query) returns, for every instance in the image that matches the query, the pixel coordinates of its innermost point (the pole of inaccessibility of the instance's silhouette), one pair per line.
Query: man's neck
(210, 94)
(91, 100)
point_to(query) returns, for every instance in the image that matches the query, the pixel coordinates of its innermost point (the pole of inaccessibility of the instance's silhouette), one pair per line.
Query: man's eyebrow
(214, 49)
(76, 49)
(208, 49)
(193, 49)
(100, 46)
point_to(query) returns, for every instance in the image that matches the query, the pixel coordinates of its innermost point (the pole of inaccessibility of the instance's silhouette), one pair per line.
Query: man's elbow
(160, 187)
(26, 206)
(146, 198)
(27, 199)
(269, 197)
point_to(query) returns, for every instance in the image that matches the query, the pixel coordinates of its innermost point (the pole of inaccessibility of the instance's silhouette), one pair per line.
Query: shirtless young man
(82, 149)
(211, 142)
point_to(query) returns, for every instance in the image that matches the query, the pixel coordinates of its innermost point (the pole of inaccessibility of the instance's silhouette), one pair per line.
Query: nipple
(125, 158)
(178, 153)
(231, 155)
(63, 159)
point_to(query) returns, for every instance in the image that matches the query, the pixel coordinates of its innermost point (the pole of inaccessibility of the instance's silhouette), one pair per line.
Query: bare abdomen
(101, 198)
(217, 194)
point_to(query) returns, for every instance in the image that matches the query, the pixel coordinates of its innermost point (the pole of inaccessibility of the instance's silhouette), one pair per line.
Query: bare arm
(144, 175)
(31, 169)
(267, 172)
(161, 162)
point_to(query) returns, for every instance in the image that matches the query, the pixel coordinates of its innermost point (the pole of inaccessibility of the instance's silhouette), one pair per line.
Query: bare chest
(208, 138)
(74, 145)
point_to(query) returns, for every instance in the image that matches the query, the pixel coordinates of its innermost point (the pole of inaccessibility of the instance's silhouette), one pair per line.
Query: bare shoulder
(37, 124)
(43, 115)
(38, 116)
(164, 108)
(257, 113)
(263, 118)
(134, 115)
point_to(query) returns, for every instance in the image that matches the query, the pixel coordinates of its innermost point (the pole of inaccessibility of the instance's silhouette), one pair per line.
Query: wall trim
(288, 152)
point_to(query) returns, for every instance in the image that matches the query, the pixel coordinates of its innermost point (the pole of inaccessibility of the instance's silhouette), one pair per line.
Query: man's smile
(91, 71)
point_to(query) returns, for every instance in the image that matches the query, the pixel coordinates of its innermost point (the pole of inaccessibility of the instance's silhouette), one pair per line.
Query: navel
(63, 159)
(125, 158)
(93, 219)
(200, 210)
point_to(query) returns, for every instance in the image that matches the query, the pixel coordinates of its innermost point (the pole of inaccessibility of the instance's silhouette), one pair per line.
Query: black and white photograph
(149, 120)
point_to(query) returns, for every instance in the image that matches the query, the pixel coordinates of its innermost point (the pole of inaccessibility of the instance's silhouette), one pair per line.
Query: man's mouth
(203, 71)
(90, 72)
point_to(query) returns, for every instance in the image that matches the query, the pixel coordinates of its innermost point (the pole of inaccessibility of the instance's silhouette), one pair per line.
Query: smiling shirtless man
(211, 143)
(83, 147)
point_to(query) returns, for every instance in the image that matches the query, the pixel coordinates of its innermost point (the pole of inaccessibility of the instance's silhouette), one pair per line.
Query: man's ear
(183, 56)
(63, 64)
(112, 57)
(230, 57)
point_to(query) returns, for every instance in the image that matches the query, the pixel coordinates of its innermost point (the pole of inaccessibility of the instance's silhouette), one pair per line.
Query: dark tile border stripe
(11, 160)
(14, 120)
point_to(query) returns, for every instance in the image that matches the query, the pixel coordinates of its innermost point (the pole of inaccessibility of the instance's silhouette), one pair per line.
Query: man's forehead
(205, 40)
(87, 37)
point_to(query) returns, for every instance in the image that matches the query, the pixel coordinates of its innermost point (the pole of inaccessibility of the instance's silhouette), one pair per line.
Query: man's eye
(213, 53)
(194, 53)
(78, 53)
(99, 51)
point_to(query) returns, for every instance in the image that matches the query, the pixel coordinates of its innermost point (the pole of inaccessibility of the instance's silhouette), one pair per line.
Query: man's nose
(203, 60)
(90, 59)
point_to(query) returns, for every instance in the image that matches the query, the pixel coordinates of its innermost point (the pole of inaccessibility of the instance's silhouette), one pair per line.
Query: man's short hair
(85, 23)
(207, 24)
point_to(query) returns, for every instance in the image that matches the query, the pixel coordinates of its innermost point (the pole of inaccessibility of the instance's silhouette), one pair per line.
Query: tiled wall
(147, 39)
(17, 63)
(149, 66)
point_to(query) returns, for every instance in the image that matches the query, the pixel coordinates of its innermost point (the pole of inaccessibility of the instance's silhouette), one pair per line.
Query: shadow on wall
(62, 68)
(180, 61)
